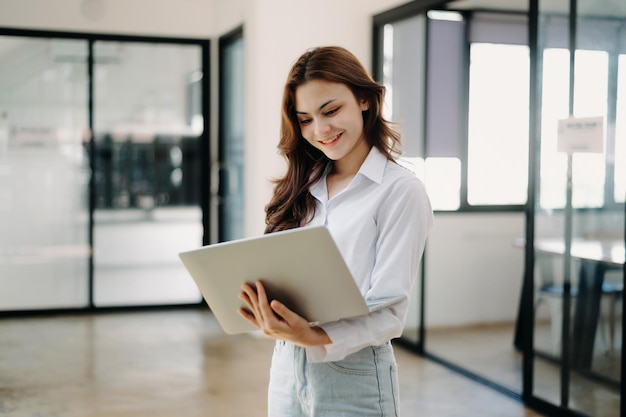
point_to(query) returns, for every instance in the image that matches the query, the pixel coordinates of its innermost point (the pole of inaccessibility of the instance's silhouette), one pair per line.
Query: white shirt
(380, 223)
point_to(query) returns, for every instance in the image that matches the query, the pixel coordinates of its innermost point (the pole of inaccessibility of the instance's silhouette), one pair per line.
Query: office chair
(550, 290)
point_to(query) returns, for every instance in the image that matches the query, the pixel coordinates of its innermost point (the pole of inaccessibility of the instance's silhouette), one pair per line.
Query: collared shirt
(380, 223)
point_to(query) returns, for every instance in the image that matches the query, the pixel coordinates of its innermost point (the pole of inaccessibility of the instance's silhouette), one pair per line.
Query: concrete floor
(179, 363)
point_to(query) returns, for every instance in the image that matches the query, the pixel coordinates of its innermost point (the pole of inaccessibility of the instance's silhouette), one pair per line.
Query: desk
(596, 256)
(610, 252)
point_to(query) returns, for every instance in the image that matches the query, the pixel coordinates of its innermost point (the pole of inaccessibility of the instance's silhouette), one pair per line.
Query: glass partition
(458, 131)
(486, 83)
(579, 215)
(490, 54)
(148, 123)
(402, 71)
(44, 174)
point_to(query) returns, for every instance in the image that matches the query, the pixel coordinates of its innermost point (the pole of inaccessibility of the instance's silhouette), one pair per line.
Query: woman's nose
(321, 128)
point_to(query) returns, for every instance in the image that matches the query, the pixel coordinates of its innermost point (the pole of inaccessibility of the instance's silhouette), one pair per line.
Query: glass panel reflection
(147, 166)
(596, 362)
(403, 65)
(44, 174)
(581, 289)
(464, 329)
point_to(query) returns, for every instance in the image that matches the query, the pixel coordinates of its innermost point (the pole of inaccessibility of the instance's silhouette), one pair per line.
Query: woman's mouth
(331, 140)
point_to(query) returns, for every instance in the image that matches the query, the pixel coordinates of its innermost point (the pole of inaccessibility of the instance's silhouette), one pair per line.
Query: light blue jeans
(363, 384)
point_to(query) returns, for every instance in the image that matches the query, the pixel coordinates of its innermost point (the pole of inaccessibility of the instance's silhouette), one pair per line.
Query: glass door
(44, 174)
(579, 212)
(147, 127)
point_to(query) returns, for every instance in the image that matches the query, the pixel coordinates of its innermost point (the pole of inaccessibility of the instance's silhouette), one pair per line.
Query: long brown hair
(292, 205)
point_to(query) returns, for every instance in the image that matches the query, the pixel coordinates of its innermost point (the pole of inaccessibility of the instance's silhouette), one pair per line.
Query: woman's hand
(276, 320)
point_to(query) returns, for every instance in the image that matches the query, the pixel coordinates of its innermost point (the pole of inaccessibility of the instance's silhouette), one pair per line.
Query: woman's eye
(305, 121)
(331, 112)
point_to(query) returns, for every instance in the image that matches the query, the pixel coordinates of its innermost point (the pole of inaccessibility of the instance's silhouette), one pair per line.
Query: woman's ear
(364, 104)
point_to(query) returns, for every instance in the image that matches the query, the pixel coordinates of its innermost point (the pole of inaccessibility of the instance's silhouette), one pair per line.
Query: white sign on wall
(581, 134)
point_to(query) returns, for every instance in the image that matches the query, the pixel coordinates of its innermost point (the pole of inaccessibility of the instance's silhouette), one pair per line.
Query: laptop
(301, 267)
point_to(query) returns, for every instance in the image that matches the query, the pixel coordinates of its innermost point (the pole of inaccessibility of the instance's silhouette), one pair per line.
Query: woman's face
(331, 118)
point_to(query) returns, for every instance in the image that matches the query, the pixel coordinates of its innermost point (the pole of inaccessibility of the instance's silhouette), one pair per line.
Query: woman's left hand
(276, 320)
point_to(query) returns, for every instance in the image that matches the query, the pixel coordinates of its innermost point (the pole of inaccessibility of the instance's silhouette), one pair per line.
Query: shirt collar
(373, 167)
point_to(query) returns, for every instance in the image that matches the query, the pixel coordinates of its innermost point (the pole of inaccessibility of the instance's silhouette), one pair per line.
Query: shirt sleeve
(403, 222)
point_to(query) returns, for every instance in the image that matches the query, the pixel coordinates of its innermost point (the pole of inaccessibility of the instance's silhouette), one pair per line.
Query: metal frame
(224, 40)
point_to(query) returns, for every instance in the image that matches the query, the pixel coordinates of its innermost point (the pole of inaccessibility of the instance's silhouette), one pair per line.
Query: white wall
(180, 18)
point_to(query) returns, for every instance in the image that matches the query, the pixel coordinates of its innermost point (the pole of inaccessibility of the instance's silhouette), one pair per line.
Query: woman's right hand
(276, 320)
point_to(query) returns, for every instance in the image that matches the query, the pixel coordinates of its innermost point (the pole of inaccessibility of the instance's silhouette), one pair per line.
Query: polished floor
(179, 363)
(488, 351)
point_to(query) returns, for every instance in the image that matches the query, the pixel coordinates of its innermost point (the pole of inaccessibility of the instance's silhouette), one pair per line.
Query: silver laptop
(300, 267)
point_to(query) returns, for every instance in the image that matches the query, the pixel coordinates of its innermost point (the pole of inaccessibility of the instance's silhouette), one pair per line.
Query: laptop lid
(301, 267)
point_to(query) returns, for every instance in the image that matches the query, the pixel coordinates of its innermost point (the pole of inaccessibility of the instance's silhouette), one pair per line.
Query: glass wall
(440, 68)
(495, 91)
(148, 124)
(492, 57)
(44, 174)
(579, 213)
(402, 65)
(101, 170)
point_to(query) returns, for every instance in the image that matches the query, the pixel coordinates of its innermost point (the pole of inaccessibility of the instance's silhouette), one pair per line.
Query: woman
(341, 173)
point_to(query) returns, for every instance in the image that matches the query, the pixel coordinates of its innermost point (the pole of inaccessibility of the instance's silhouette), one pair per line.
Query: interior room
(132, 131)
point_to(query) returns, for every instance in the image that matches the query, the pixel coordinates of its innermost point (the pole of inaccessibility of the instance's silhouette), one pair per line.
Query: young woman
(341, 173)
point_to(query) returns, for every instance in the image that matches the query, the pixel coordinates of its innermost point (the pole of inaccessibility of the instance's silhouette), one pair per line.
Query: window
(498, 124)
(591, 99)
(464, 119)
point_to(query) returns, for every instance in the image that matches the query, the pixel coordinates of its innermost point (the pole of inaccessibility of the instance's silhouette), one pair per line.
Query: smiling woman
(341, 173)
